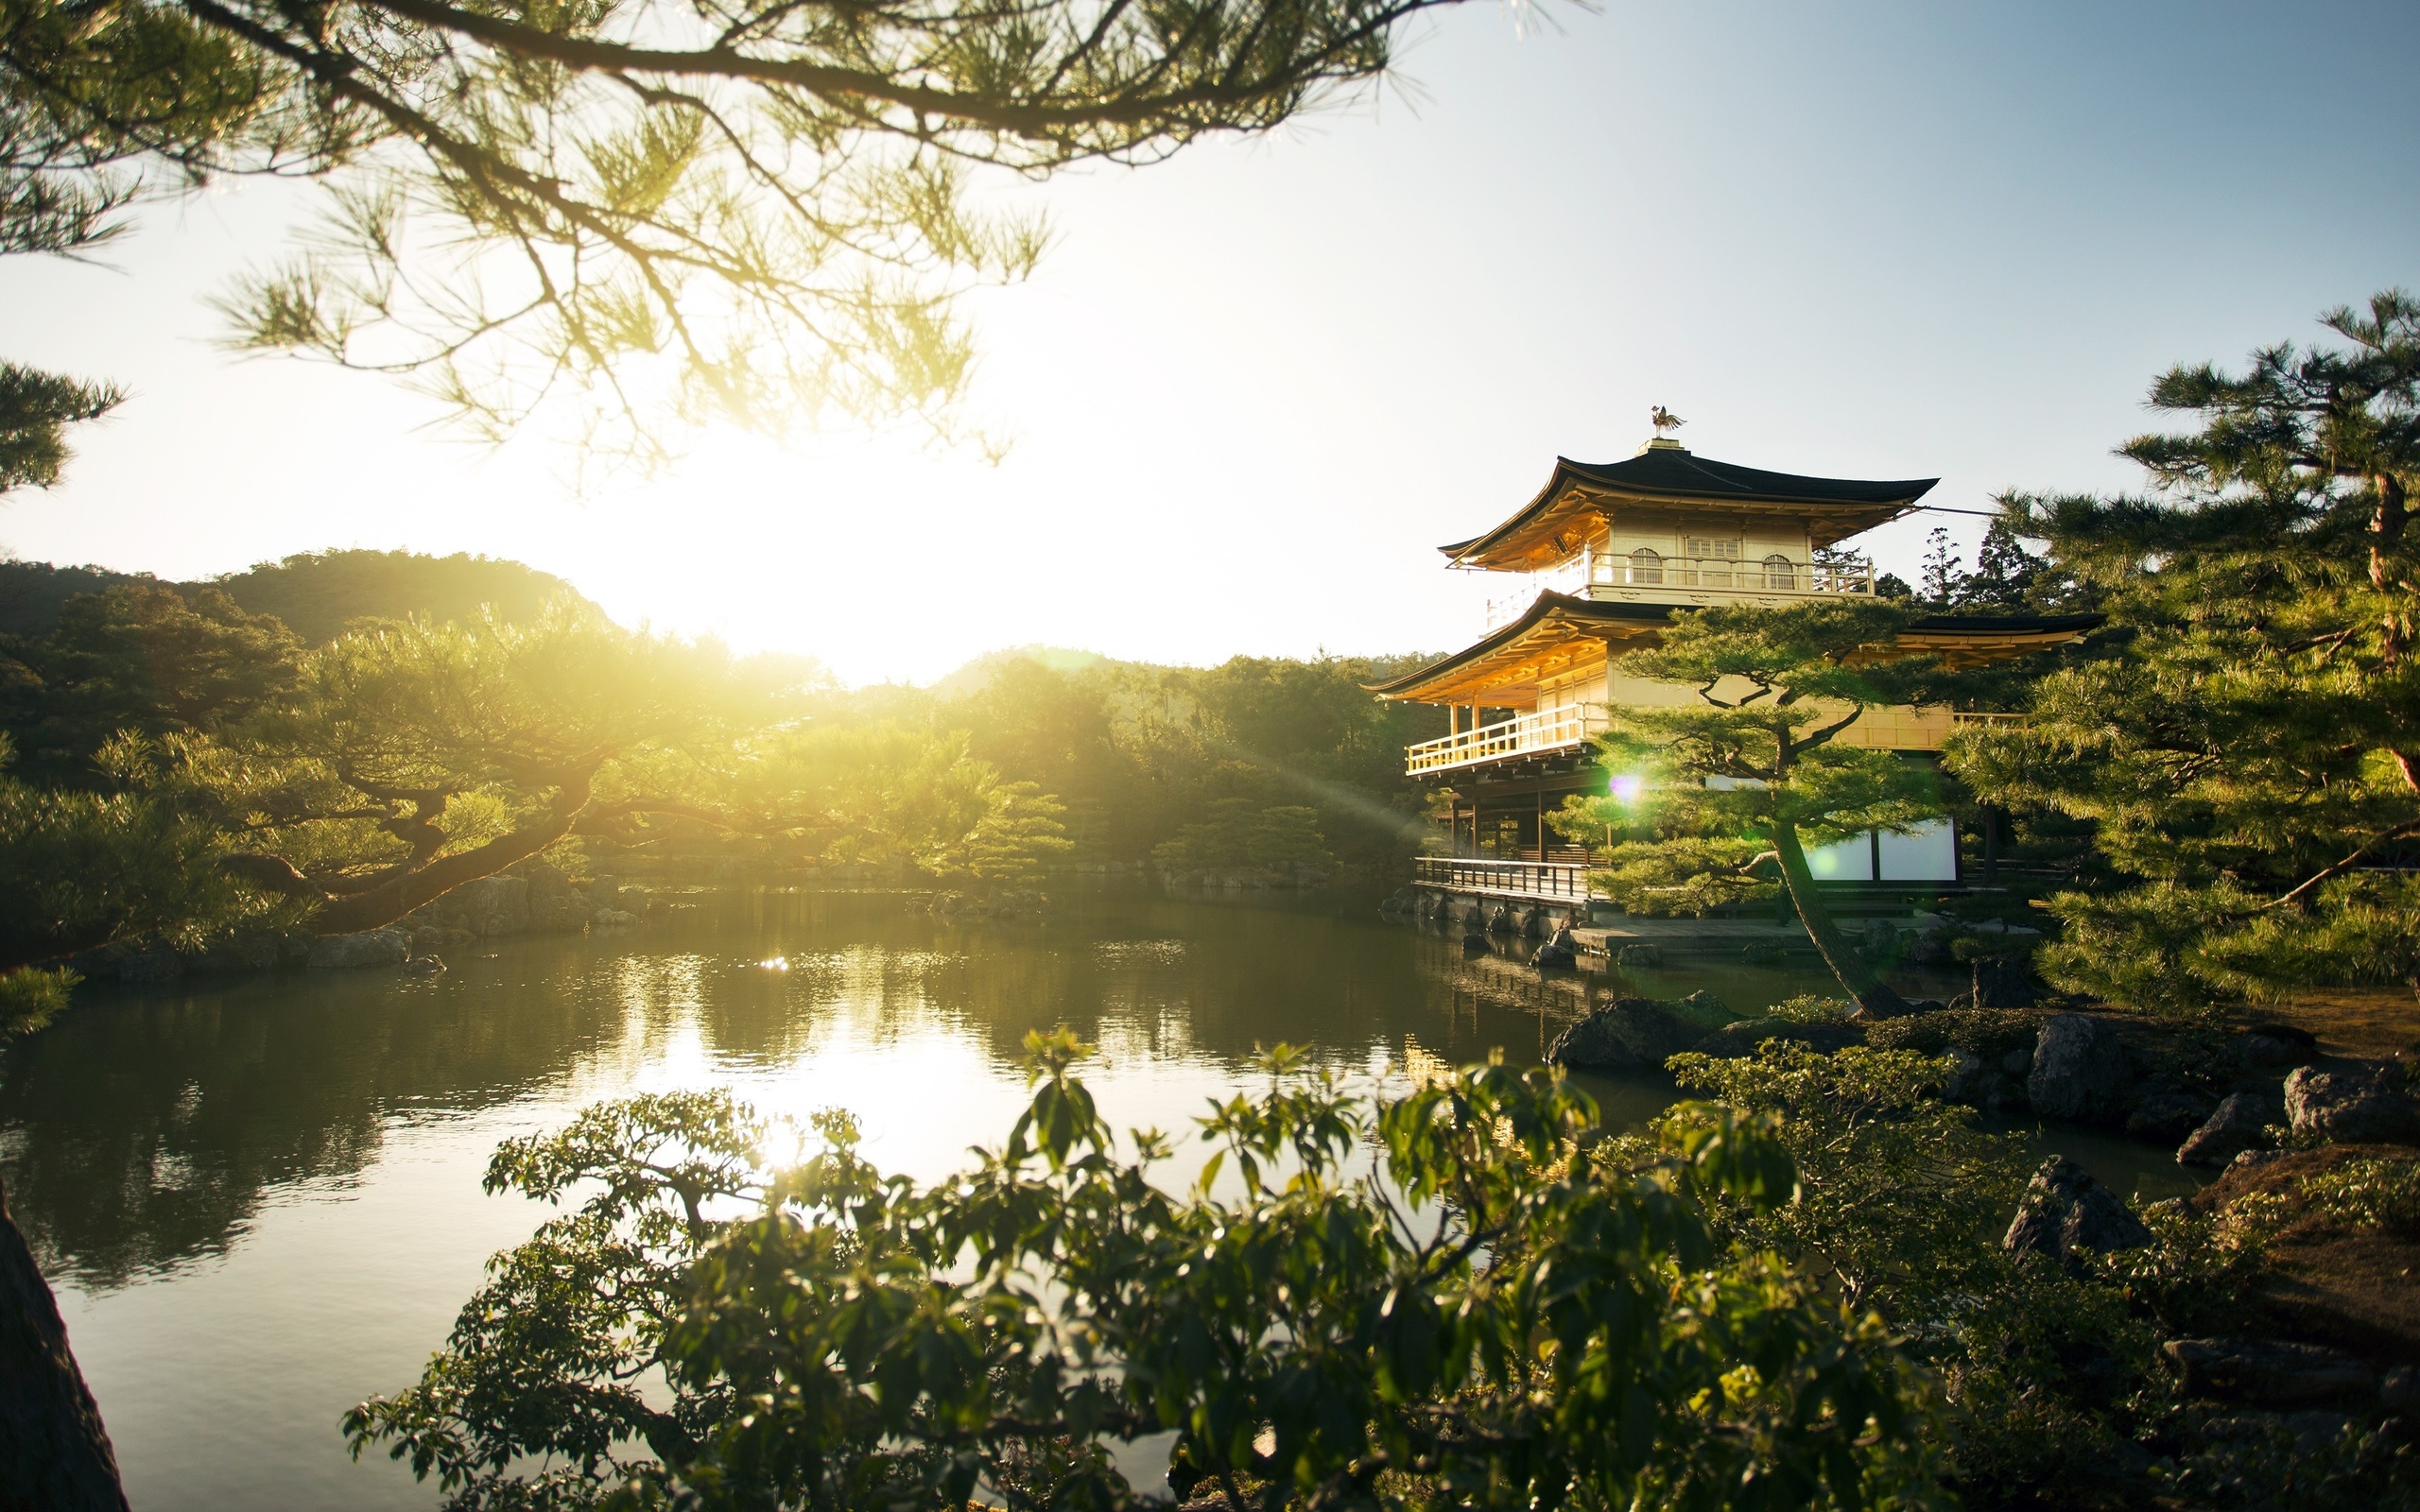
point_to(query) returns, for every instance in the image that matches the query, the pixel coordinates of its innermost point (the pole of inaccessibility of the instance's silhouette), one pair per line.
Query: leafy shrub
(1500, 1314)
(2373, 1192)
(1810, 1007)
(1989, 1033)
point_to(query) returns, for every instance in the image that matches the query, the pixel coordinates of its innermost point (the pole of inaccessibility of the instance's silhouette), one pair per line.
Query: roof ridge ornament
(1665, 420)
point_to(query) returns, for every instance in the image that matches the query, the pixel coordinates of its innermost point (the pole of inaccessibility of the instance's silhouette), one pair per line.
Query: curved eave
(1854, 505)
(1559, 626)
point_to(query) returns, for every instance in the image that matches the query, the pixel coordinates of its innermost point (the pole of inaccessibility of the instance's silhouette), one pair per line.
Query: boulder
(428, 940)
(2351, 1108)
(1758, 953)
(2272, 1049)
(2065, 1209)
(1632, 1034)
(2079, 1071)
(2269, 1372)
(1640, 952)
(1475, 943)
(558, 913)
(1734, 1040)
(372, 947)
(2237, 1127)
(1536, 924)
(1560, 951)
(2166, 1115)
(1502, 922)
(492, 905)
(424, 966)
(2004, 982)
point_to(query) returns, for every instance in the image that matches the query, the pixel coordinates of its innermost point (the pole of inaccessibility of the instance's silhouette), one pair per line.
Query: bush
(1501, 1314)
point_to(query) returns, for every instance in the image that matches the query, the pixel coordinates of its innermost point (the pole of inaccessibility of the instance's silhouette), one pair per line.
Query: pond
(259, 1198)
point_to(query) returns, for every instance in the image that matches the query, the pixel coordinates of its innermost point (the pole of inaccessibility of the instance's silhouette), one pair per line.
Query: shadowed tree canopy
(2252, 758)
(664, 211)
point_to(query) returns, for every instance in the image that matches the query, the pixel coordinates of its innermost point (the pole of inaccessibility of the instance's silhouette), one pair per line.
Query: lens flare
(1626, 786)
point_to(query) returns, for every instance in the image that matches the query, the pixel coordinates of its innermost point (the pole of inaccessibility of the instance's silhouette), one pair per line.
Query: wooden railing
(1559, 881)
(1599, 569)
(1554, 730)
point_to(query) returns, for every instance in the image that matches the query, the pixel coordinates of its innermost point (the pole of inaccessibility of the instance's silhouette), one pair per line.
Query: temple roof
(1561, 631)
(1664, 471)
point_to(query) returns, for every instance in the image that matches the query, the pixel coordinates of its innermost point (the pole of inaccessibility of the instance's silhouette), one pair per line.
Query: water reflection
(261, 1198)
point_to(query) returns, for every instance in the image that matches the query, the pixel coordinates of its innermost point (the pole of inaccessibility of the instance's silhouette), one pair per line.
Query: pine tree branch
(2369, 847)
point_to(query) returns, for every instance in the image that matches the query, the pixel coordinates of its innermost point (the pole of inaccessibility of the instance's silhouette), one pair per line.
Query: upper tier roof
(1665, 471)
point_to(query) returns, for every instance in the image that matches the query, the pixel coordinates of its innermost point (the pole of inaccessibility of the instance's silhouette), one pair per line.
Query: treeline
(181, 768)
(1187, 763)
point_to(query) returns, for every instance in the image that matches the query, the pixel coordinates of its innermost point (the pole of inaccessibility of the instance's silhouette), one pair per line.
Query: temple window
(1780, 572)
(1646, 566)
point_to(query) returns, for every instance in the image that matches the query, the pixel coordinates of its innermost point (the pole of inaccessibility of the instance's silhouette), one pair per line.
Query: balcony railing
(1599, 574)
(1552, 729)
(1560, 881)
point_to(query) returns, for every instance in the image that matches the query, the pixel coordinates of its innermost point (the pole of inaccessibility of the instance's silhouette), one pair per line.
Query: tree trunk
(1875, 999)
(55, 1455)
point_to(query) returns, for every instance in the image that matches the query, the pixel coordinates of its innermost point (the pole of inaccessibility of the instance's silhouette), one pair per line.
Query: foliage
(145, 659)
(30, 997)
(81, 868)
(36, 408)
(2248, 758)
(1285, 837)
(1535, 1323)
(2052, 1379)
(1751, 771)
(1140, 752)
(1894, 1183)
(669, 211)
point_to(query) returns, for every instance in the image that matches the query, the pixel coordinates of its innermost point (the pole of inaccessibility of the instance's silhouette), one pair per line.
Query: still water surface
(259, 1199)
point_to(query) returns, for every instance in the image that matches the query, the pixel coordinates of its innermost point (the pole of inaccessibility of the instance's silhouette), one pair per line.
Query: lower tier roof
(1561, 632)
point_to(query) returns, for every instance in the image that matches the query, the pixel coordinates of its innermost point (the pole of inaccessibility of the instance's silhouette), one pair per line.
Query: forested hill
(315, 594)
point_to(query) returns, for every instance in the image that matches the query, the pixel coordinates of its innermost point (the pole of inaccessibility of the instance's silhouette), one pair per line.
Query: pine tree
(1732, 788)
(2252, 758)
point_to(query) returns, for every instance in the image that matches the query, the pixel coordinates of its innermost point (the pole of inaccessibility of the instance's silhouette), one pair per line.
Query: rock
(2065, 1209)
(1475, 943)
(1502, 921)
(2004, 982)
(2079, 1071)
(428, 940)
(372, 947)
(2268, 1048)
(2246, 1160)
(1640, 952)
(2350, 1107)
(2163, 1114)
(1629, 1033)
(1536, 925)
(1758, 953)
(2269, 1372)
(2231, 1132)
(1734, 1040)
(424, 966)
(558, 913)
(1556, 957)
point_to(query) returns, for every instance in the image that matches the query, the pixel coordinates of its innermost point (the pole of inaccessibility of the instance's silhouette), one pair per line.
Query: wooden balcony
(1661, 579)
(1554, 730)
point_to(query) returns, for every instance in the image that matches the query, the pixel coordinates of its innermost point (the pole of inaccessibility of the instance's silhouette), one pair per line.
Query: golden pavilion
(1598, 561)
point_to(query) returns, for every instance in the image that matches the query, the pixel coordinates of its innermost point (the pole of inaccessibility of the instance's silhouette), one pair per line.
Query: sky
(1252, 388)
